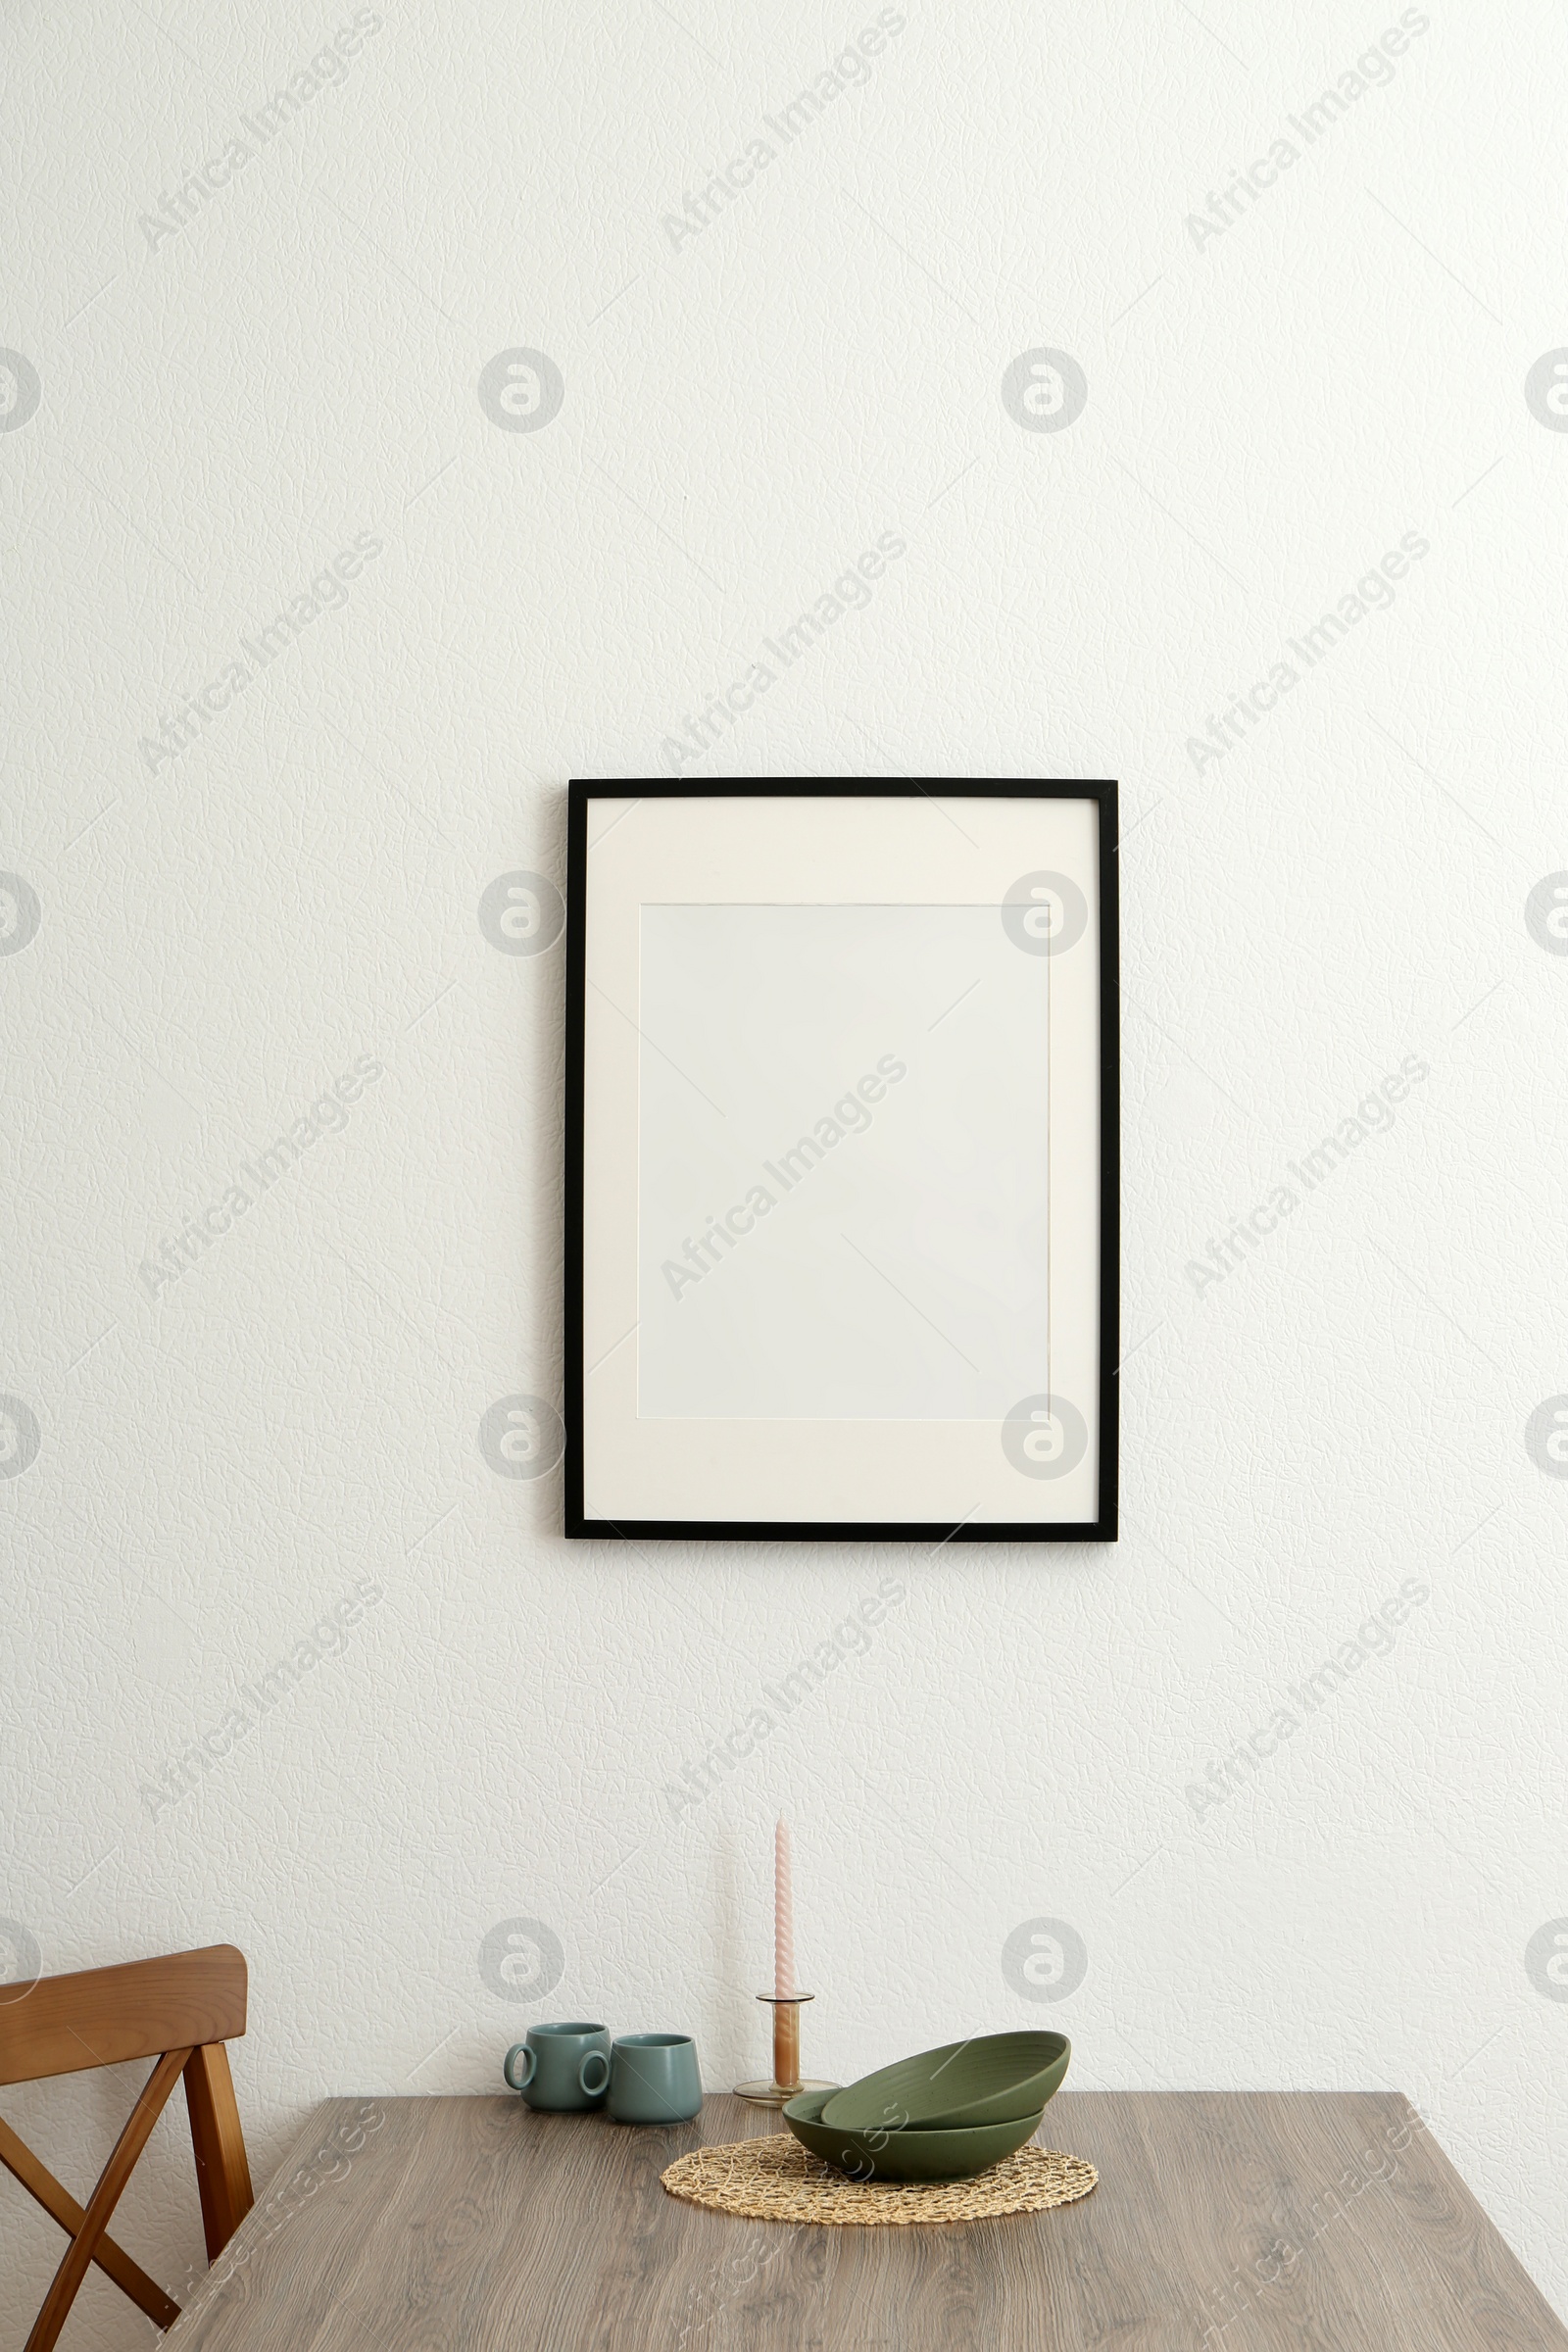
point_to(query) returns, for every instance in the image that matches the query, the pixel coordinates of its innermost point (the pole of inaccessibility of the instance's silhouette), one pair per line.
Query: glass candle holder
(787, 2082)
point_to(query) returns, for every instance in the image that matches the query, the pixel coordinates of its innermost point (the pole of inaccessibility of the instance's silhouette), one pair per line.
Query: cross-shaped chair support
(180, 2009)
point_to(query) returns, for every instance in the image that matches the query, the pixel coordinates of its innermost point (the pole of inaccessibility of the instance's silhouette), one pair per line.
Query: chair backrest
(179, 2009)
(106, 2014)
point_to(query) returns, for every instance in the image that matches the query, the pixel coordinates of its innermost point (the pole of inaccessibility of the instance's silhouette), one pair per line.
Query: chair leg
(105, 2197)
(223, 2172)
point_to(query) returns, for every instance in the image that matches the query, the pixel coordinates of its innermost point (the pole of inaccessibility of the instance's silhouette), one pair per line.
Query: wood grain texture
(1235, 2220)
(222, 2169)
(56, 2305)
(62, 2207)
(104, 2016)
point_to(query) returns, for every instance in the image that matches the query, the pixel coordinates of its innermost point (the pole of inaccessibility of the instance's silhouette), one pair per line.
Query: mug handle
(594, 2091)
(520, 2049)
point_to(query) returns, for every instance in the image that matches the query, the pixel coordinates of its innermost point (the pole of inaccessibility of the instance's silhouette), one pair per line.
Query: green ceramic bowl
(877, 2155)
(987, 2081)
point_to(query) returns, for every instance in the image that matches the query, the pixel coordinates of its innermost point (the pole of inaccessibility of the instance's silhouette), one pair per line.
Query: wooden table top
(1223, 2222)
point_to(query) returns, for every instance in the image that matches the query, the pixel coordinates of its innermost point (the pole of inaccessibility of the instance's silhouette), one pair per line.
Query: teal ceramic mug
(563, 2070)
(654, 2078)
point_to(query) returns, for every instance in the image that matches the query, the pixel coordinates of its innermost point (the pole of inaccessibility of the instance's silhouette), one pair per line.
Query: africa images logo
(1045, 913)
(1044, 1437)
(20, 1437)
(173, 213)
(192, 715)
(20, 915)
(328, 1114)
(522, 1436)
(1373, 70)
(1373, 593)
(19, 391)
(522, 390)
(1045, 390)
(521, 914)
(850, 1116)
(522, 1960)
(1547, 1960)
(1545, 390)
(850, 70)
(1547, 1437)
(1545, 913)
(1044, 1960)
(850, 592)
(1374, 1115)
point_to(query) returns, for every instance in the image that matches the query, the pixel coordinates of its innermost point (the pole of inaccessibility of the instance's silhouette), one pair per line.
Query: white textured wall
(225, 927)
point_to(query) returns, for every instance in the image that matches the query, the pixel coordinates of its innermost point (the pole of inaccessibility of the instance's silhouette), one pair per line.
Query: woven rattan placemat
(776, 2180)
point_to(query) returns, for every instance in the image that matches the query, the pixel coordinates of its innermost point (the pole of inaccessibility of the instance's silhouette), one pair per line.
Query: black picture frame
(582, 792)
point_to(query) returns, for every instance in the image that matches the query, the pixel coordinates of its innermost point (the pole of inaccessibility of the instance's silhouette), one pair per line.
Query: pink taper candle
(783, 1916)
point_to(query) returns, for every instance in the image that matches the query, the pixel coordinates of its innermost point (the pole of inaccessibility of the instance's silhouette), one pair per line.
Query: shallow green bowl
(988, 2080)
(878, 2155)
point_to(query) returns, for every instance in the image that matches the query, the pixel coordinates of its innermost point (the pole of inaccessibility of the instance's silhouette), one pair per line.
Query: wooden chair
(180, 2009)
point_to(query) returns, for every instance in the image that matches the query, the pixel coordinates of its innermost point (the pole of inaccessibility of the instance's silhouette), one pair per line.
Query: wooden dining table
(1222, 2222)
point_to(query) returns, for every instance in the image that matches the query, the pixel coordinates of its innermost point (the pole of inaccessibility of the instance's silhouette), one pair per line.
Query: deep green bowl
(878, 2155)
(987, 2081)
